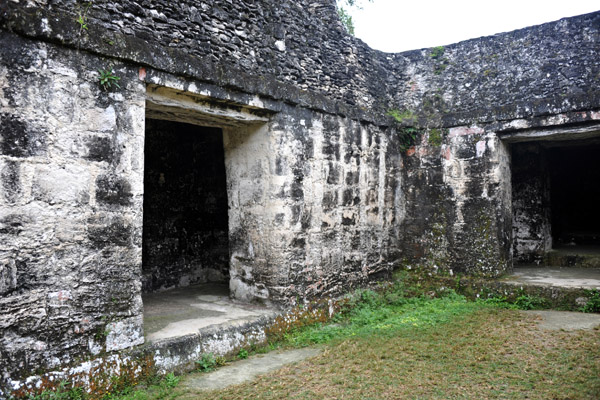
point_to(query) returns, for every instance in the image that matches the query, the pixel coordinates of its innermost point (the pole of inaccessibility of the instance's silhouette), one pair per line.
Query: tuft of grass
(207, 363)
(242, 354)
(64, 391)
(171, 380)
(523, 302)
(436, 137)
(108, 79)
(157, 388)
(593, 303)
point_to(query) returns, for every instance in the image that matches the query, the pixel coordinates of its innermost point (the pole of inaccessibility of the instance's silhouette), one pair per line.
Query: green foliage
(82, 17)
(593, 303)
(63, 392)
(500, 301)
(346, 20)
(108, 78)
(437, 52)
(242, 354)
(527, 302)
(155, 388)
(408, 135)
(207, 363)
(82, 21)
(435, 137)
(406, 116)
(522, 302)
(344, 14)
(171, 380)
(441, 62)
(386, 313)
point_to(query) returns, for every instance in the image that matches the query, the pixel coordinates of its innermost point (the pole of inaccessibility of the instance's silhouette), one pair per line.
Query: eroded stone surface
(321, 194)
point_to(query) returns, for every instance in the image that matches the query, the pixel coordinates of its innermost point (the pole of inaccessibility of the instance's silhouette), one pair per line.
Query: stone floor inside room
(564, 266)
(567, 277)
(184, 311)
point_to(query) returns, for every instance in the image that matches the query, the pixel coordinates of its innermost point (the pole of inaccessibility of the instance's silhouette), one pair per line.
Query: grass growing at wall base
(444, 347)
(412, 341)
(378, 314)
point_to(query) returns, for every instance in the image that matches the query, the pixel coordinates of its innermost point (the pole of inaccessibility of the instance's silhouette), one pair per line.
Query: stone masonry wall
(322, 196)
(458, 203)
(314, 203)
(327, 213)
(71, 158)
(532, 72)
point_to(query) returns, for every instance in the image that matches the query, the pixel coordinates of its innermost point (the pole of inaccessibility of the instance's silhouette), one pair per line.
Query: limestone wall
(313, 198)
(321, 194)
(70, 207)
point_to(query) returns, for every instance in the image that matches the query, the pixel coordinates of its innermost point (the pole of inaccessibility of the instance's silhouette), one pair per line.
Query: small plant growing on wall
(82, 18)
(441, 62)
(108, 79)
(593, 303)
(435, 137)
(408, 135)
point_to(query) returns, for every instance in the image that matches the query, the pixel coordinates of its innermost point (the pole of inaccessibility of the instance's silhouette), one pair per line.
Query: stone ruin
(250, 143)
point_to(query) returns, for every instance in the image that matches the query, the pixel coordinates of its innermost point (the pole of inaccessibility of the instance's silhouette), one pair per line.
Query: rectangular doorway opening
(185, 223)
(196, 204)
(555, 200)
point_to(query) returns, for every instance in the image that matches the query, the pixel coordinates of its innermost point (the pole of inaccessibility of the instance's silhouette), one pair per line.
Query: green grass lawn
(394, 346)
(440, 348)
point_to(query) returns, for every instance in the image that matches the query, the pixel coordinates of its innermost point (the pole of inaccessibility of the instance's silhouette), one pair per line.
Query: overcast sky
(398, 25)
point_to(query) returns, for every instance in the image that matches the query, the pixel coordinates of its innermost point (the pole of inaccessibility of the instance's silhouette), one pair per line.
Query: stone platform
(181, 325)
(560, 277)
(582, 256)
(189, 310)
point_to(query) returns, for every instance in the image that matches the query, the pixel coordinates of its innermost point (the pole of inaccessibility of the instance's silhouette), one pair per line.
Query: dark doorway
(185, 237)
(575, 193)
(555, 196)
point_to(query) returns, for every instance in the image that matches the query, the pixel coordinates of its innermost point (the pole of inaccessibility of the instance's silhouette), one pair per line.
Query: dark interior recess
(185, 235)
(575, 193)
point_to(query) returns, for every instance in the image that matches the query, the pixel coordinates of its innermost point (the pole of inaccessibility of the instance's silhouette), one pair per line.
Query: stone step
(573, 256)
(556, 288)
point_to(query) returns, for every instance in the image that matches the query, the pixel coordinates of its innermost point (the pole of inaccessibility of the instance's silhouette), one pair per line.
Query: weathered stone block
(113, 190)
(18, 139)
(124, 334)
(8, 275)
(62, 185)
(10, 176)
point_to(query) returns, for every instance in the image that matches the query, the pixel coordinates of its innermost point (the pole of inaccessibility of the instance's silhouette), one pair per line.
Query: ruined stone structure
(249, 142)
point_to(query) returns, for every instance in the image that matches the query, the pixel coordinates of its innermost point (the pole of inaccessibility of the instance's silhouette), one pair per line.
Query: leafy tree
(343, 11)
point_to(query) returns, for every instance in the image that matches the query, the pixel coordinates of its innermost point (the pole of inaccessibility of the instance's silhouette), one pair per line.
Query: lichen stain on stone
(98, 378)
(11, 181)
(17, 139)
(113, 190)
